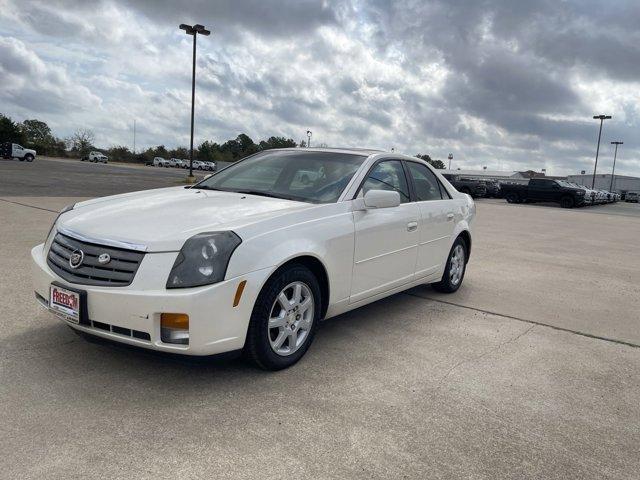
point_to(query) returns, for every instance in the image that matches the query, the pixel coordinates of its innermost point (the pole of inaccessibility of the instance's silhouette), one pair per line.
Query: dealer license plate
(65, 303)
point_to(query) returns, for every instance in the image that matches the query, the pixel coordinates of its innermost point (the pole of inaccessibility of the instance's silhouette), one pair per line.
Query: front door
(386, 239)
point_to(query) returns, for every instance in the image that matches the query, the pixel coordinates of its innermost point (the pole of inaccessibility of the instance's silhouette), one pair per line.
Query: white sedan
(253, 257)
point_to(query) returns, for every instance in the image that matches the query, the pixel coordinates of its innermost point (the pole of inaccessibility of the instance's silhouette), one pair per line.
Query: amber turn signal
(174, 320)
(236, 299)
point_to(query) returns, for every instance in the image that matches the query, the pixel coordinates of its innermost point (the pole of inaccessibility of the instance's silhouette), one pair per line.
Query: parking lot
(530, 370)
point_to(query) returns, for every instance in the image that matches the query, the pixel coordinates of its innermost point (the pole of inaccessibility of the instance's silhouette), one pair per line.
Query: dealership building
(621, 183)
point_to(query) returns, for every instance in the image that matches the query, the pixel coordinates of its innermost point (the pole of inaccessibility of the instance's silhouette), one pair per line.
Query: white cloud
(508, 85)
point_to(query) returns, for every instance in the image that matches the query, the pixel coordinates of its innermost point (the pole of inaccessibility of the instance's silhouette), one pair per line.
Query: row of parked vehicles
(181, 163)
(567, 194)
(475, 188)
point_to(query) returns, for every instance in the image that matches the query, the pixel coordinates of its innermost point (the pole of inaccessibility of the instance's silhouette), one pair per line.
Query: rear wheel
(284, 319)
(455, 268)
(567, 202)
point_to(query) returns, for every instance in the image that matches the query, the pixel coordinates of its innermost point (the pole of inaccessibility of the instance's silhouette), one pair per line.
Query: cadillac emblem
(76, 258)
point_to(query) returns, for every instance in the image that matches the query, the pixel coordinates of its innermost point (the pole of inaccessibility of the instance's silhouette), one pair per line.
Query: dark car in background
(475, 188)
(545, 190)
(493, 189)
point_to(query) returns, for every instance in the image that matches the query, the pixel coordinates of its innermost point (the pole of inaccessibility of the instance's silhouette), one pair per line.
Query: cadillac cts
(254, 256)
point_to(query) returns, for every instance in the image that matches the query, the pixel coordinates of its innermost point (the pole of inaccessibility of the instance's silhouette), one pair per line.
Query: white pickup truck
(14, 150)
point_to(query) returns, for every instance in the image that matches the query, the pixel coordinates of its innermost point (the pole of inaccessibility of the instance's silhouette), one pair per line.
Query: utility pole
(309, 133)
(134, 137)
(602, 118)
(193, 30)
(613, 172)
(450, 157)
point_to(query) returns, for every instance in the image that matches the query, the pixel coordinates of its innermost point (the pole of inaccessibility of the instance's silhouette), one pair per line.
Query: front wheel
(455, 268)
(284, 319)
(511, 197)
(29, 158)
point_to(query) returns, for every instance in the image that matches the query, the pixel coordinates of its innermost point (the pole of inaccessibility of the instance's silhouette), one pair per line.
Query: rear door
(437, 219)
(386, 239)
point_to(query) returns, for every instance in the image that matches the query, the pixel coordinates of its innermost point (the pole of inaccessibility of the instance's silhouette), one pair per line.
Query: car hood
(161, 220)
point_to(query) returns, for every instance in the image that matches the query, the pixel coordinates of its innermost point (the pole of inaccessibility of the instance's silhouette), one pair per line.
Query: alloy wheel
(456, 267)
(291, 318)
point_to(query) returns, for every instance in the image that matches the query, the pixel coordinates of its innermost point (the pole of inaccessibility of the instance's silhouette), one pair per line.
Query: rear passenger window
(425, 183)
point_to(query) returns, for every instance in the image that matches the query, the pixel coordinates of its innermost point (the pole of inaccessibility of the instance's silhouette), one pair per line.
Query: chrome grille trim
(119, 272)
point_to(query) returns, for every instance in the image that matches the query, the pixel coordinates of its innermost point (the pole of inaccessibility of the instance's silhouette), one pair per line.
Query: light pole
(309, 133)
(450, 157)
(613, 172)
(602, 118)
(193, 30)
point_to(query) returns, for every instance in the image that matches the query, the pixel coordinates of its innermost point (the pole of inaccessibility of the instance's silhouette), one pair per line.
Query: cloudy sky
(502, 83)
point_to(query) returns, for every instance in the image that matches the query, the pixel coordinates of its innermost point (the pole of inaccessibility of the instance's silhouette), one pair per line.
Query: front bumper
(215, 325)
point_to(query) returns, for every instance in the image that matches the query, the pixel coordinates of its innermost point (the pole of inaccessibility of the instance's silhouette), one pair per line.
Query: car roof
(347, 150)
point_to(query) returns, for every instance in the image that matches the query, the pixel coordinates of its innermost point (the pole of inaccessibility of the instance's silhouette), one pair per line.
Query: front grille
(118, 272)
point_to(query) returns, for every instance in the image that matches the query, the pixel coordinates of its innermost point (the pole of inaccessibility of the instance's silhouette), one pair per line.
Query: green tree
(439, 164)
(277, 142)
(178, 152)
(37, 135)
(10, 131)
(120, 153)
(208, 151)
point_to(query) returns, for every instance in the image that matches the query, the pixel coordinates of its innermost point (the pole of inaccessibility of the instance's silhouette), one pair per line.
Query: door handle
(412, 226)
(450, 216)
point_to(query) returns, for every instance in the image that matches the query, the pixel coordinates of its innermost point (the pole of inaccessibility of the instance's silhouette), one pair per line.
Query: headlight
(580, 192)
(203, 259)
(51, 230)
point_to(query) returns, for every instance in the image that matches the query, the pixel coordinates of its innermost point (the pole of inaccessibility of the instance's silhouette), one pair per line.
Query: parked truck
(14, 150)
(475, 188)
(545, 190)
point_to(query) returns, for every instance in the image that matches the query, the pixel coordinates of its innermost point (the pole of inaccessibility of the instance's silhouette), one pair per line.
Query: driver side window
(388, 175)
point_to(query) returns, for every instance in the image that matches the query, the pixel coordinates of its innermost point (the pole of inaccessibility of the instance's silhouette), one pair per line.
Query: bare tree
(81, 141)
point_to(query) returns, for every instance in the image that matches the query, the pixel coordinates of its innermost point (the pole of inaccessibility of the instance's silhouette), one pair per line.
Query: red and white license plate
(65, 303)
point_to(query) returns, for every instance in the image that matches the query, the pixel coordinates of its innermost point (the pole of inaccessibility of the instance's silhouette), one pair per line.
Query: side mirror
(381, 199)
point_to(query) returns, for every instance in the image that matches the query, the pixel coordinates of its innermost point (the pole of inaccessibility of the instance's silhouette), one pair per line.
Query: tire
(261, 343)
(511, 197)
(567, 202)
(451, 281)
(28, 158)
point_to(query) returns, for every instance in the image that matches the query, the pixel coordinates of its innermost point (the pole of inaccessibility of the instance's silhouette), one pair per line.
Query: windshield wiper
(262, 194)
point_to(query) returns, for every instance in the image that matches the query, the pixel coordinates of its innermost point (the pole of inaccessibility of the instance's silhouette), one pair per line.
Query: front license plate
(65, 303)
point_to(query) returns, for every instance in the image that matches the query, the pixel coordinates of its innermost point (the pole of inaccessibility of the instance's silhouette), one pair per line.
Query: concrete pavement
(408, 387)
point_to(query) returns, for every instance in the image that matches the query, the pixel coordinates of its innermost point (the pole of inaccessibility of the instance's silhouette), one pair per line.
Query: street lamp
(309, 133)
(193, 30)
(450, 157)
(613, 172)
(602, 118)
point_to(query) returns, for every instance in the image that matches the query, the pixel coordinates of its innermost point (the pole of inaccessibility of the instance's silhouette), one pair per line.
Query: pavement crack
(480, 356)
(28, 206)
(526, 320)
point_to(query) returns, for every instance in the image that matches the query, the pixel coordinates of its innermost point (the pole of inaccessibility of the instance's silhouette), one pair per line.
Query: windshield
(316, 177)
